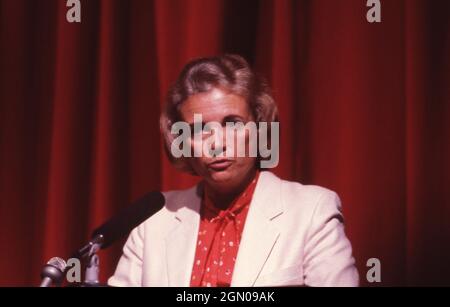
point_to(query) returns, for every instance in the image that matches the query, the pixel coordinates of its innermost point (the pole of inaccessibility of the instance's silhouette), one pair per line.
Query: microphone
(122, 223)
(53, 272)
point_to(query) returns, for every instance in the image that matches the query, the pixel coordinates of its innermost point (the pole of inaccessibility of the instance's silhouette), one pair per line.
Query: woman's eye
(197, 129)
(238, 125)
(235, 122)
(201, 132)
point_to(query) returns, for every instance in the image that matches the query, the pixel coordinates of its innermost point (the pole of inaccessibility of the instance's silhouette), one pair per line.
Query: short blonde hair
(230, 72)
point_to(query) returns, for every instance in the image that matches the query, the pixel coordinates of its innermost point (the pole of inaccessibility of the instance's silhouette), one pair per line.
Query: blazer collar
(258, 239)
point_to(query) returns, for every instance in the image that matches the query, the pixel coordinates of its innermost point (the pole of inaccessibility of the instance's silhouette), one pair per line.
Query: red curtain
(365, 111)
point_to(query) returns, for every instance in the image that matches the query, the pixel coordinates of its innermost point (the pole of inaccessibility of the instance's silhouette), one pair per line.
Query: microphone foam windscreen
(130, 217)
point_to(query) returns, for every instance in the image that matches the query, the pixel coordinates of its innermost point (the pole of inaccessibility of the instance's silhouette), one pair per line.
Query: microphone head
(54, 269)
(58, 263)
(129, 218)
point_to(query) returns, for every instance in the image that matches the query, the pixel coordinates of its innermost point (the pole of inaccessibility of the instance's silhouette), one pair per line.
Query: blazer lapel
(258, 239)
(182, 240)
(260, 231)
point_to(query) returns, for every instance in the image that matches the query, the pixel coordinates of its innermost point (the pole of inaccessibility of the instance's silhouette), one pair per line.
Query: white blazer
(293, 235)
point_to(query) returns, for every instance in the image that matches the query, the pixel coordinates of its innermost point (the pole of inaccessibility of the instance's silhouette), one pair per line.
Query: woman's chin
(221, 176)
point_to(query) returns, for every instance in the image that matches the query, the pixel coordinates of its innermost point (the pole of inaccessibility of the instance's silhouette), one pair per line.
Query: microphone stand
(91, 278)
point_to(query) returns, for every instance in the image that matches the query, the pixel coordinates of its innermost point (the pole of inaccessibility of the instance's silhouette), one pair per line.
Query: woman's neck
(223, 198)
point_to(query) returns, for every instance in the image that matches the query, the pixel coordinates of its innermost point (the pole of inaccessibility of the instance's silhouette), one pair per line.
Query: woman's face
(225, 174)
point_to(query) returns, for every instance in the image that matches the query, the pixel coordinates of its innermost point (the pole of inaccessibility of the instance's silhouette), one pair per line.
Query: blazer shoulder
(306, 191)
(298, 197)
(175, 201)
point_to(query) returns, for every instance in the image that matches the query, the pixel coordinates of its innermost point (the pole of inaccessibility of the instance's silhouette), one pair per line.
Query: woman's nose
(219, 144)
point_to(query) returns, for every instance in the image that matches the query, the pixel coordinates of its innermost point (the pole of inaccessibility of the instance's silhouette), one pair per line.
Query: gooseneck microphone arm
(122, 223)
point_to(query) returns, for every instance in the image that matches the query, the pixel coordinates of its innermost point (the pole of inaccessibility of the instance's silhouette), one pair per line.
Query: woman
(242, 225)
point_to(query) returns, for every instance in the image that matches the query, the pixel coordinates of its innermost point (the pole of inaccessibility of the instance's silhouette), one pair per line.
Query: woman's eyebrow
(232, 118)
(191, 126)
(226, 119)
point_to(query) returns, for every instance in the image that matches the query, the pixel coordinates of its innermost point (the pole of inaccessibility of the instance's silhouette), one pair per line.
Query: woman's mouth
(220, 165)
